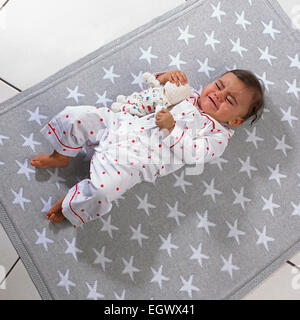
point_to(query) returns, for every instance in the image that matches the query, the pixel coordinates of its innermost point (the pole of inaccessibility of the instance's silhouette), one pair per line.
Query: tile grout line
(293, 265)
(4, 4)
(9, 271)
(9, 84)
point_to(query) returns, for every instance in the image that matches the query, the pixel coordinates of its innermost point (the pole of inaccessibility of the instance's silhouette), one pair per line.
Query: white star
(167, 245)
(180, 182)
(233, 68)
(281, 145)
(42, 239)
(47, 204)
(102, 99)
(129, 268)
(239, 198)
(109, 74)
(107, 226)
(296, 211)
(137, 235)
(295, 62)
(197, 254)
(65, 282)
(210, 40)
(293, 88)
(252, 137)
(265, 81)
(74, 94)
(138, 79)
(19, 199)
(2, 138)
(30, 142)
(275, 174)
(144, 204)
(100, 258)
(228, 266)
(263, 238)
(187, 286)
(218, 161)
(204, 223)
(265, 55)
(24, 169)
(184, 35)
(241, 19)
(217, 12)
(250, 2)
(210, 190)
(93, 294)
(176, 61)
(234, 232)
(54, 178)
(72, 248)
(174, 213)
(237, 47)
(269, 29)
(247, 167)
(35, 116)
(287, 116)
(158, 277)
(147, 55)
(204, 67)
(121, 297)
(269, 205)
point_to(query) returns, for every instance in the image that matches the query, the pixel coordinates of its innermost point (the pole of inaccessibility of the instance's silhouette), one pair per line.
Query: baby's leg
(50, 160)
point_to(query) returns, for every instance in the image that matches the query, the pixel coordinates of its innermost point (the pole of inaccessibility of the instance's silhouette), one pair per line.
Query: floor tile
(6, 91)
(18, 285)
(296, 259)
(283, 284)
(292, 8)
(60, 32)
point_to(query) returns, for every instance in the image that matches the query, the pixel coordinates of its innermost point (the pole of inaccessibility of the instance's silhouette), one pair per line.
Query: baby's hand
(164, 119)
(178, 77)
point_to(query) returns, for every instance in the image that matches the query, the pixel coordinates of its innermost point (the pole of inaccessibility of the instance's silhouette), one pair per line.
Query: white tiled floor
(37, 39)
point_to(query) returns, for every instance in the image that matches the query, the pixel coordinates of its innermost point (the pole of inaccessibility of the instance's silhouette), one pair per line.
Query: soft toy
(157, 95)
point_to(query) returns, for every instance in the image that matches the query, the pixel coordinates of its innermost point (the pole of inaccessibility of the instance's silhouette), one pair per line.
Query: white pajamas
(128, 150)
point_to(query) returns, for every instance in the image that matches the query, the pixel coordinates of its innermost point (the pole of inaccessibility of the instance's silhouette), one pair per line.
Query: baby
(200, 122)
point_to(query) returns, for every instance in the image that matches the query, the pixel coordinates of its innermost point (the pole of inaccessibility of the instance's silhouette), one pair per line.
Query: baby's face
(227, 99)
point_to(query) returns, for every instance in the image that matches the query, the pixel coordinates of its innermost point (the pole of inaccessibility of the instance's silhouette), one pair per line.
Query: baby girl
(198, 124)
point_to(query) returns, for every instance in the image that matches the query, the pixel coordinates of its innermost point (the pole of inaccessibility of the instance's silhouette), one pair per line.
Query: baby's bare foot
(55, 212)
(50, 160)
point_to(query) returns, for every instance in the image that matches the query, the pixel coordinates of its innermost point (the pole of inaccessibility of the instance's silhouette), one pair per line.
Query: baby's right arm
(174, 76)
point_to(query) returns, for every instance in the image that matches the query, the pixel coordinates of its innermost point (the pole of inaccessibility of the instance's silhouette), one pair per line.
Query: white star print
(65, 282)
(197, 254)
(241, 19)
(19, 199)
(176, 61)
(109, 74)
(180, 182)
(54, 178)
(129, 268)
(265, 55)
(188, 286)
(237, 47)
(275, 174)
(204, 223)
(234, 232)
(184, 35)
(296, 211)
(74, 94)
(239, 198)
(2, 138)
(252, 137)
(121, 297)
(270, 30)
(158, 277)
(281, 145)
(210, 41)
(218, 161)
(233, 68)
(100, 258)
(263, 238)
(246, 167)
(147, 55)
(35, 116)
(295, 62)
(107, 226)
(167, 245)
(210, 190)
(174, 213)
(138, 79)
(42, 239)
(205, 68)
(93, 294)
(265, 81)
(217, 12)
(72, 248)
(269, 205)
(137, 235)
(287, 116)
(228, 266)
(30, 142)
(47, 204)
(293, 88)
(24, 169)
(102, 99)
(144, 204)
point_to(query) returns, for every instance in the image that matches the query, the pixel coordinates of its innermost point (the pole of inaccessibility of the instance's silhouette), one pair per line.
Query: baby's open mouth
(213, 102)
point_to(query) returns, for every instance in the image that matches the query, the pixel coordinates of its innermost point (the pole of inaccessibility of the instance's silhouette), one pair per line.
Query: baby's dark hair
(257, 106)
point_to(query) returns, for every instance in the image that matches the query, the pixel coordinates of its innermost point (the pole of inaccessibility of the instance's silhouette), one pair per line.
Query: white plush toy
(155, 98)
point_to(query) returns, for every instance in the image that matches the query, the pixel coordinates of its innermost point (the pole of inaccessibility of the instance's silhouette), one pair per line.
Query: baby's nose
(218, 96)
